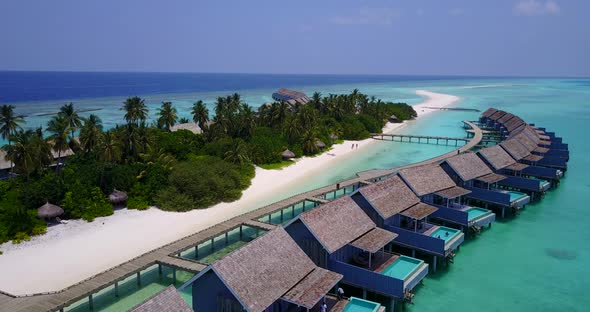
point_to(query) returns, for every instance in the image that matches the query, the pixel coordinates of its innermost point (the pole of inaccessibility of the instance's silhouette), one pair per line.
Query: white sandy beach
(71, 252)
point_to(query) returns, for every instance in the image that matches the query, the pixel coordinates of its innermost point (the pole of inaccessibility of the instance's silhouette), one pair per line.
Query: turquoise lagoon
(537, 261)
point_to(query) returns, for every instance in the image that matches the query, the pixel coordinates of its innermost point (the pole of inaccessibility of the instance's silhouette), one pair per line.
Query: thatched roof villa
(268, 274)
(341, 237)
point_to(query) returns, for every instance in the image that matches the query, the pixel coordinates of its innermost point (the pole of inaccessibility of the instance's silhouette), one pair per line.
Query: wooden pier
(166, 255)
(424, 139)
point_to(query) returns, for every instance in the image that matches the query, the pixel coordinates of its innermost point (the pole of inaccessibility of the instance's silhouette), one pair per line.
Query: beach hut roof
(513, 123)
(374, 240)
(532, 157)
(49, 211)
(517, 167)
(288, 154)
(505, 118)
(497, 157)
(333, 136)
(389, 197)
(190, 126)
(320, 144)
(426, 179)
(453, 192)
(489, 112)
(497, 115)
(526, 141)
(264, 270)
(117, 197)
(394, 117)
(419, 211)
(167, 300)
(309, 291)
(491, 178)
(337, 223)
(515, 149)
(468, 166)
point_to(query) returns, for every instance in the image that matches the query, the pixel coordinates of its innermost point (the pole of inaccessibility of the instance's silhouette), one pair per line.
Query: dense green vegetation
(176, 171)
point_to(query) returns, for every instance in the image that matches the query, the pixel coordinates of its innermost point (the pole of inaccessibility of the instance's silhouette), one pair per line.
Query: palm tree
(109, 147)
(237, 153)
(71, 114)
(200, 114)
(40, 150)
(59, 129)
(248, 120)
(136, 111)
(167, 115)
(9, 123)
(90, 133)
(19, 152)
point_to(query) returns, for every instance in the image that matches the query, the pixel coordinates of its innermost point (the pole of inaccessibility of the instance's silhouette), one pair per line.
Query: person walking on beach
(324, 307)
(352, 146)
(340, 293)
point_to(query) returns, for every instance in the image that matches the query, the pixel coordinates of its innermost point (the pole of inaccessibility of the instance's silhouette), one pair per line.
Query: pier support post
(174, 275)
(226, 239)
(197, 251)
(503, 209)
(159, 269)
(117, 289)
(281, 216)
(90, 303)
(241, 231)
(391, 304)
(212, 246)
(413, 253)
(434, 261)
(364, 293)
(138, 278)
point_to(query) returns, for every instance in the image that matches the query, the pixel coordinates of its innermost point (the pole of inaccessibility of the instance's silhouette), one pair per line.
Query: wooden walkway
(54, 301)
(182, 264)
(425, 139)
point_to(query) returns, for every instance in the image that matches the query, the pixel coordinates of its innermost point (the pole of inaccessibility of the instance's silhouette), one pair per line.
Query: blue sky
(451, 37)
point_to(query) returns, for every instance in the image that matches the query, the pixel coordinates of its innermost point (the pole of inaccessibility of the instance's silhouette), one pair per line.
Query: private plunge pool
(134, 290)
(445, 233)
(402, 268)
(476, 212)
(516, 195)
(360, 305)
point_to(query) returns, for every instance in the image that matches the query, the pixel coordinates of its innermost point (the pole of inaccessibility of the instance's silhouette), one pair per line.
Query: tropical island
(170, 163)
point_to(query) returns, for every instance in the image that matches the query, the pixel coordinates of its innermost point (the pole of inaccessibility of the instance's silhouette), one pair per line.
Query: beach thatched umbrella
(287, 154)
(333, 136)
(49, 211)
(320, 144)
(117, 197)
(393, 118)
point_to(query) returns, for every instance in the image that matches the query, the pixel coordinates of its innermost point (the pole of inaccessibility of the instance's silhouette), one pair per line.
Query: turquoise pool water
(476, 212)
(131, 293)
(516, 195)
(445, 233)
(360, 305)
(402, 267)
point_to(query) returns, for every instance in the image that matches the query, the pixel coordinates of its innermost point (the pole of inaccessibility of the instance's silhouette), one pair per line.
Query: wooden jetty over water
(167, 254)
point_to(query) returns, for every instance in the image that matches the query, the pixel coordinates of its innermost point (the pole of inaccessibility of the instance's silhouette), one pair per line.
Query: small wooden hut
(118, 199)
(287, 154)
(321, 145)
(333, 137)
(393, 119)
(49, 211)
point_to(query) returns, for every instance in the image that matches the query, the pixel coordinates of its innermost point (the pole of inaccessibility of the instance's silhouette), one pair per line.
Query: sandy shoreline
(78, 250)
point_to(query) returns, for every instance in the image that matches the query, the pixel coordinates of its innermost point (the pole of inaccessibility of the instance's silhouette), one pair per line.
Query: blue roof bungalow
(392, 205)
(339, 236)
(501, 162)
(490, 189)
(269, 274)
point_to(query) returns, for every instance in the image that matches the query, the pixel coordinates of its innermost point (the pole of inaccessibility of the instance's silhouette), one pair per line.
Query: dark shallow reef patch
(561, 254)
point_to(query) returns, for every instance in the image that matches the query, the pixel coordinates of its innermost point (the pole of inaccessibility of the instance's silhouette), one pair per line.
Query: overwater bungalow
(501, 162)
(291, 97)
(339, 236)
(269, 274)
(392, 205)
(521, 153)
(552, 152)
(488, 189)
